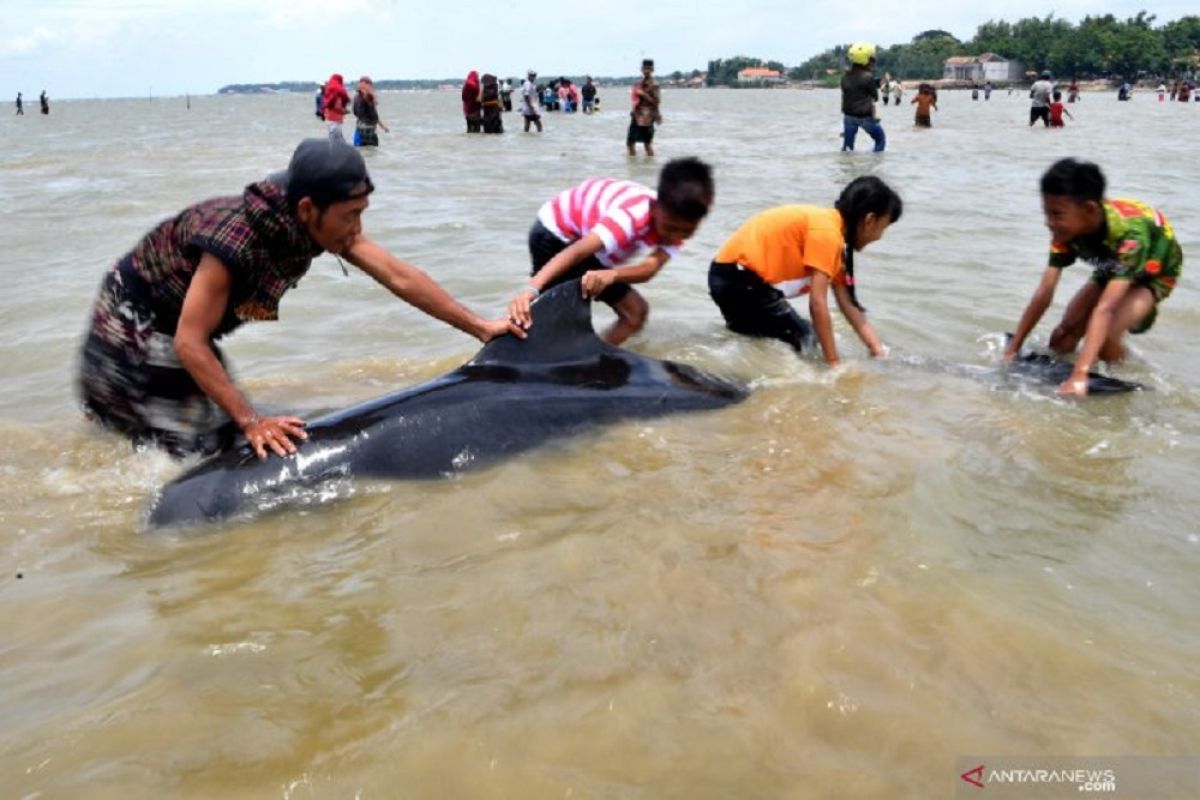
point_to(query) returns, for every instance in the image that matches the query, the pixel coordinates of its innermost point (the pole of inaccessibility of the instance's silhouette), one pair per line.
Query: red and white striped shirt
(616, 211)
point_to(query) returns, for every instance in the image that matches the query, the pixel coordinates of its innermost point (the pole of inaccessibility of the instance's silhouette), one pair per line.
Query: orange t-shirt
(783, 246)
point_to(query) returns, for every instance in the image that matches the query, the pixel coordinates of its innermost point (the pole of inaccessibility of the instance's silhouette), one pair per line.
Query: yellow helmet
(861, 53)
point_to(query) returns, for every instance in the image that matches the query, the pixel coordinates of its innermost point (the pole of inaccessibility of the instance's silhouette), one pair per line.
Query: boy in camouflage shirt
(1136, 263)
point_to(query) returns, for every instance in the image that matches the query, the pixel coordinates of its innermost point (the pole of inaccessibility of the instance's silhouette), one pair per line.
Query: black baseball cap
(326, 171)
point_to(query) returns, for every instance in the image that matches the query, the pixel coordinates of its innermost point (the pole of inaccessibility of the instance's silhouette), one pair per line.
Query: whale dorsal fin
(561, 332)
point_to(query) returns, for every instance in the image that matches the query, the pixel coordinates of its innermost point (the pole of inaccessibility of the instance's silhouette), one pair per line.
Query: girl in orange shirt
(794, 250)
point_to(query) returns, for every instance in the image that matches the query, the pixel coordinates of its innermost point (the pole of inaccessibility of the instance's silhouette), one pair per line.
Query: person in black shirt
(859, 94)
(589, 95)
(366, 114)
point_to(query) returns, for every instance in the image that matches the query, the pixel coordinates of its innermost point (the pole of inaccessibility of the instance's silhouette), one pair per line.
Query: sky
(130, 48)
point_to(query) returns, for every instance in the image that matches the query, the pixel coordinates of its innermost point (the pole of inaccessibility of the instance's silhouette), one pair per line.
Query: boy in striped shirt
(591, 230)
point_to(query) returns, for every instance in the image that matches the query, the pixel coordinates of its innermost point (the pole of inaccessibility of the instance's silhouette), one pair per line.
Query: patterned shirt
(1137, 244)
(619, 212)
(256, 236)
(646, 98)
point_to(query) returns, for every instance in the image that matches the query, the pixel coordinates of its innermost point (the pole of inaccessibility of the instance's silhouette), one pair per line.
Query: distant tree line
(1097, 47)
(313, 86)
(724, 71)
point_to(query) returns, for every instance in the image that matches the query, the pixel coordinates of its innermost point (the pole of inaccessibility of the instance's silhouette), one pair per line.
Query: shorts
(544, 245)
(131, 381)
(1160, 288)
(924, 121)
(1042, 113)
(753, 307)
(366, 136)
(639, 133)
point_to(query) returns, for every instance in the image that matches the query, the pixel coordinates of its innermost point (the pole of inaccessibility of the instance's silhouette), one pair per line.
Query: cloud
(289, 13)
(66, 28)
(25, 43)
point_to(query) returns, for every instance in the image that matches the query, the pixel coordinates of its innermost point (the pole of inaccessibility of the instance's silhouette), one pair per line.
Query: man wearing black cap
(150, 365)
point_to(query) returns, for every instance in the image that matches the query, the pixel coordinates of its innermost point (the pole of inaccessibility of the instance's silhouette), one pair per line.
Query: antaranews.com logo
(1117, 777)
(1083, 780)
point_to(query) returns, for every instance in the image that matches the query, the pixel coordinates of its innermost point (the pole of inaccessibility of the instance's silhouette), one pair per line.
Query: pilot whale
(511, 397)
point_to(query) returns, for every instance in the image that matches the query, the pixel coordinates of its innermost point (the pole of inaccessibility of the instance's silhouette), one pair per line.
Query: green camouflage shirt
(1138, 245)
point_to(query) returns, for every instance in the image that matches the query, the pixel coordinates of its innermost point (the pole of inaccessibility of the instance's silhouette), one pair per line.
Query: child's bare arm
(818, 310)
(597, 280)
(1093, 340)
(1043, 296)
(518, 307)
(858, 320)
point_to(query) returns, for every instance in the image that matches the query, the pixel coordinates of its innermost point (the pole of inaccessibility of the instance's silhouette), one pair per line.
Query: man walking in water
(20, 106)
(1039, 93)
(529, 102)
(859, 94)
(45, 101)
(645, 113)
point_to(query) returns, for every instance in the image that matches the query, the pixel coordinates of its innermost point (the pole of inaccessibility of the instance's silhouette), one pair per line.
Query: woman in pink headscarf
(472, 104)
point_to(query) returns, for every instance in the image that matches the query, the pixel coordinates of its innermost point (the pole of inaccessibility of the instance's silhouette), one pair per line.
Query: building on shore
(986, 67)
(760, 76)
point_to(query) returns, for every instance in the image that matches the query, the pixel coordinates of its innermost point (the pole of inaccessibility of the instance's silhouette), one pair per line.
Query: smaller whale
(1047, 369)
(1053, 371)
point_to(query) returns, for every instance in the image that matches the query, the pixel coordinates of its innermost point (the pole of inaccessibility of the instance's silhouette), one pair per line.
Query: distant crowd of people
(1178, 91)
(486, 98)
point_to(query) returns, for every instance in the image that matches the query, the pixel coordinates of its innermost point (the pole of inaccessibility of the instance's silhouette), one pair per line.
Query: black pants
(639, 133)
(544, 245)
(1042, 113)
(752, 306)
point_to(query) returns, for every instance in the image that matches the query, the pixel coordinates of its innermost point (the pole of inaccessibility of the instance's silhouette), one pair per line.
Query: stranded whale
(512, 396)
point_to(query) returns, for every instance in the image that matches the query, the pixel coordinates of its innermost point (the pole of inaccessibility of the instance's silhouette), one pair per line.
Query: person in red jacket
(336, 101)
